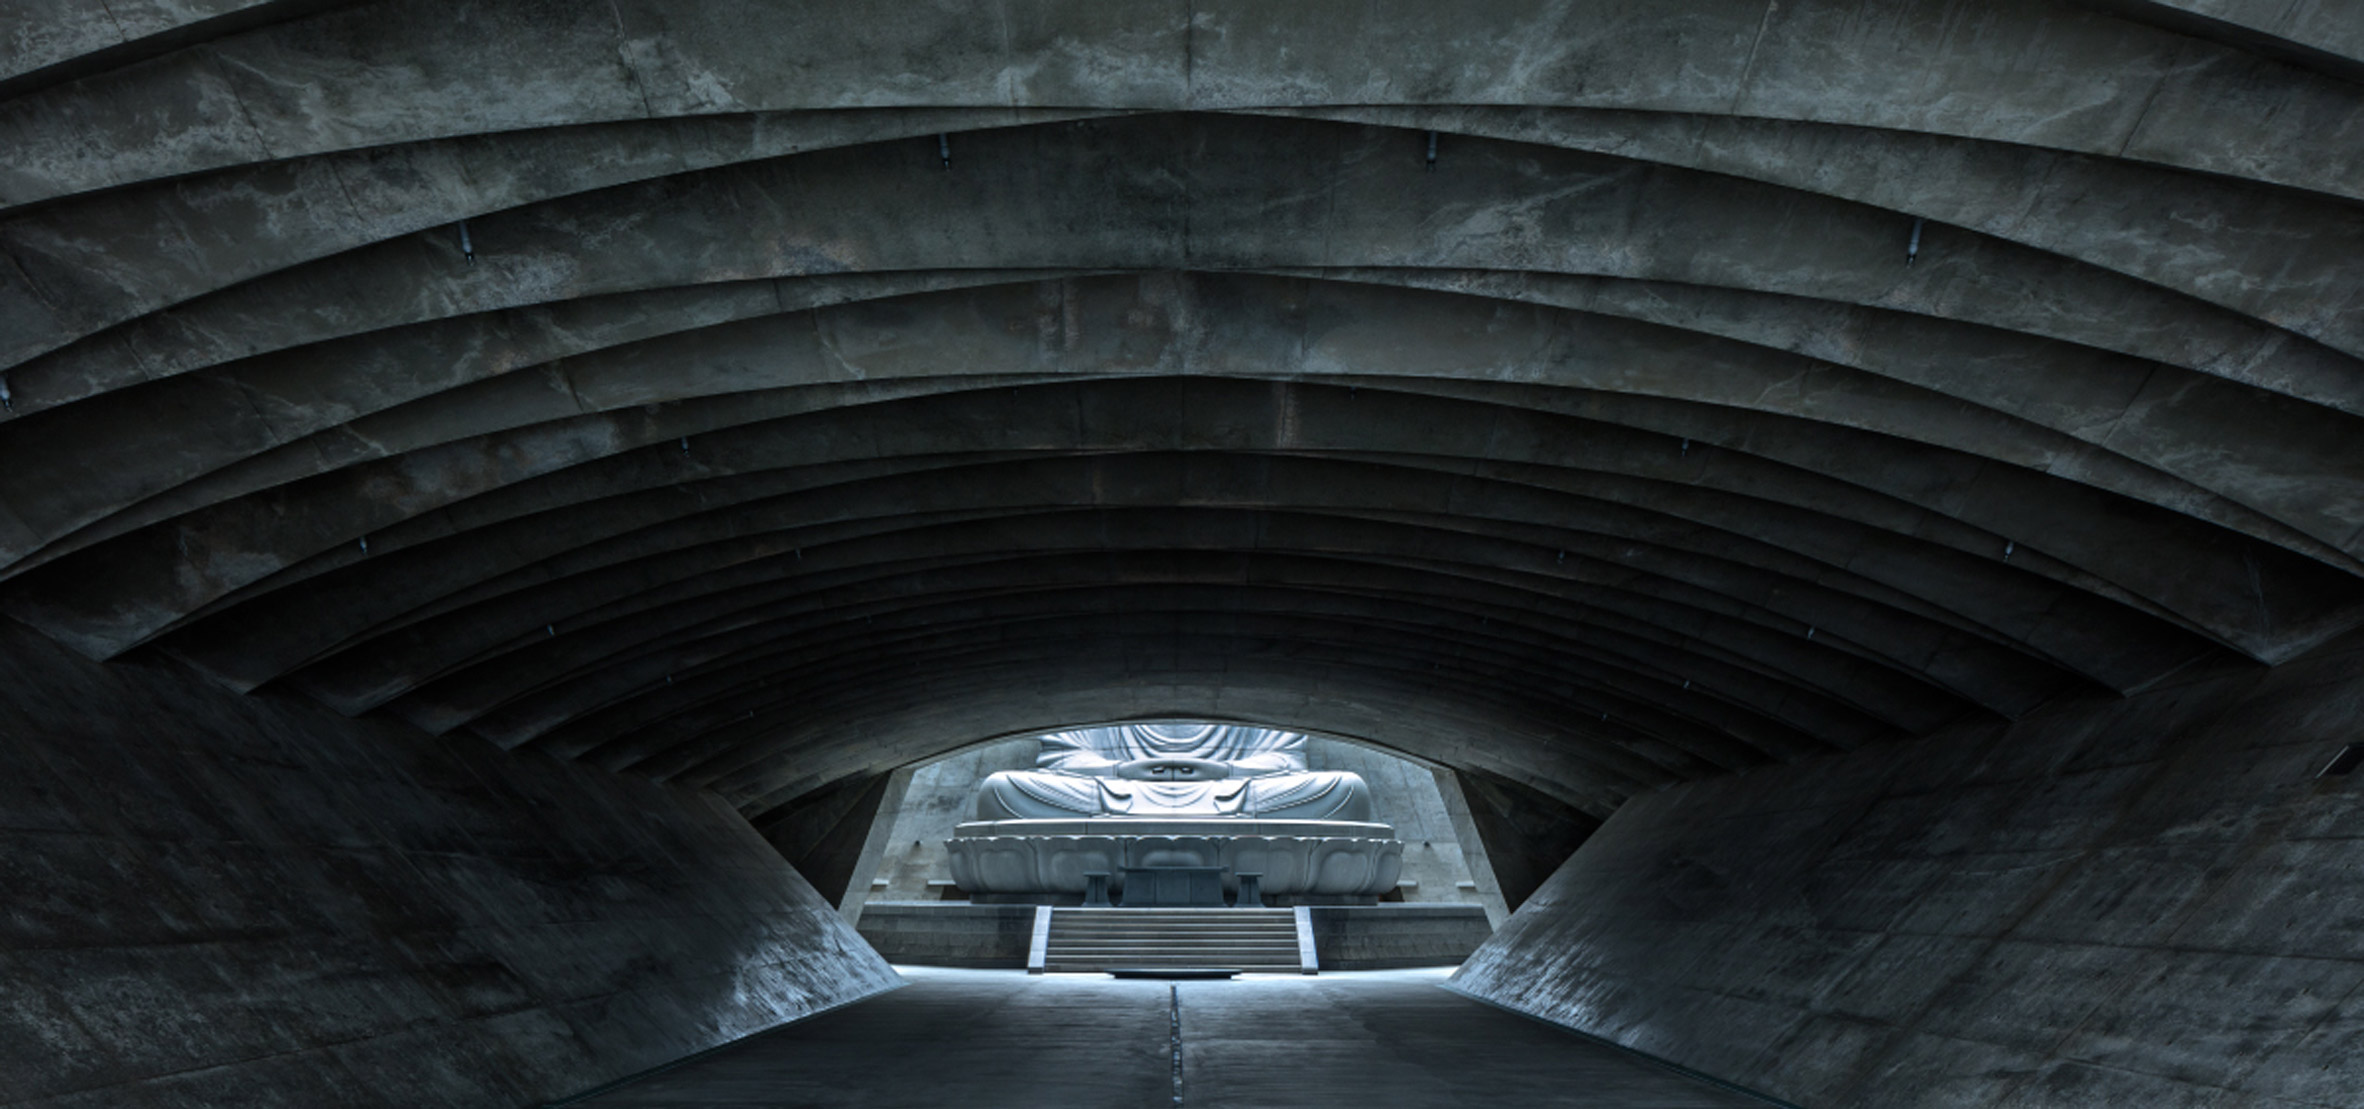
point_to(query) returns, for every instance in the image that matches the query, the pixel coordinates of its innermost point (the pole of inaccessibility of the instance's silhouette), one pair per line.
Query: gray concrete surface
(210, 901)
(990, 1038)
(2149, 902)
(942, 795)
(751, 449)
(955, 934)
(1621, 449)
(1385, 937)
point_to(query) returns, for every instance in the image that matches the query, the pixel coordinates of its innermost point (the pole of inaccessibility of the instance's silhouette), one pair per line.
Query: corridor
(988, 1039)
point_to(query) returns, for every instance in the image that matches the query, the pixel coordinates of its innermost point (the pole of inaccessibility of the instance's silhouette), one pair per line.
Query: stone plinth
(1297, 858)
(1345, 937)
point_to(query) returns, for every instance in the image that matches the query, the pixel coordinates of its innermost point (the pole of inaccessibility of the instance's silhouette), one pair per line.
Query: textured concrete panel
(823, 836)
(216, 900)
(2150, 901)
(1383, 937)
(950, 935)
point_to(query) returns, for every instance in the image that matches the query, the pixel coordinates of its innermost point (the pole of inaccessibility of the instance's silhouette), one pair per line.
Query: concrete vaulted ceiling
(1597, 395)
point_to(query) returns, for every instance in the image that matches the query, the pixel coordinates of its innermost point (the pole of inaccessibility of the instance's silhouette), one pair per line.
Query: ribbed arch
(1457, 343)
(754, 395)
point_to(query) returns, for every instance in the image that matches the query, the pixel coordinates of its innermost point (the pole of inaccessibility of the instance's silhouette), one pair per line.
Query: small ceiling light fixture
(1912, 250)
(467, 245)
(944, 148)
(1432, 151)
(2344, 763)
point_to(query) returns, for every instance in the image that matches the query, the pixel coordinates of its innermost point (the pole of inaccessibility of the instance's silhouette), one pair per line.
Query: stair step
(1169, 956)
(1210, 922)
(1135, 962)
(1159, 942)
(1280, 925)
(1287, 947)
(1165, 945)
(1169, 941)
(1173, 914)
(1103, 964)
(1177, 928)
(1205, 958)
(1134, 921)
(1084, 941)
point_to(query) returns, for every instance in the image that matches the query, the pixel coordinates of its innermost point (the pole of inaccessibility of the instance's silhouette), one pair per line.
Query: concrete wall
(1407, 794)
(963, 935)
(830, 835)
(2146, 902)
(1383, 937)
(214, 900)
(941, 795)
(1404, 793)
(1525, 833)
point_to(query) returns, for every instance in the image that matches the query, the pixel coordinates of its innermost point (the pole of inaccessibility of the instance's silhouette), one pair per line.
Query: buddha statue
(1104, 805)
(1173, 770)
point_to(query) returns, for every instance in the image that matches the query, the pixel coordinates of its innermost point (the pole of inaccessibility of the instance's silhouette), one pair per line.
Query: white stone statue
(1173, 770)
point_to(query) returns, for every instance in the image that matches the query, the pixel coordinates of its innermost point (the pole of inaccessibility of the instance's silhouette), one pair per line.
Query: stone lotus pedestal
(1299, 861)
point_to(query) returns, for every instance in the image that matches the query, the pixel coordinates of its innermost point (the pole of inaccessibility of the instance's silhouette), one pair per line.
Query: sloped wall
(2148, 902)
(214, 900)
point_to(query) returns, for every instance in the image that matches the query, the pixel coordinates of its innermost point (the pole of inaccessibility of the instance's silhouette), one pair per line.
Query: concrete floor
(982, 1038)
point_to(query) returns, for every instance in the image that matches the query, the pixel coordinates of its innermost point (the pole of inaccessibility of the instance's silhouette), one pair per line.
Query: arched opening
(1470, 837)
(905, 857)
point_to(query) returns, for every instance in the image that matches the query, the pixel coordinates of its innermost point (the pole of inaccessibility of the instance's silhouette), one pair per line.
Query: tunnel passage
(1596, 399)
(1638, 553)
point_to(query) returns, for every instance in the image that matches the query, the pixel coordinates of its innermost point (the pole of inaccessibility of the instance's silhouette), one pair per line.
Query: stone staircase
(1091, 941)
